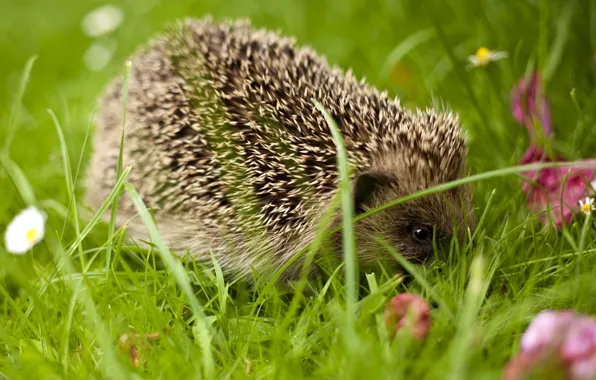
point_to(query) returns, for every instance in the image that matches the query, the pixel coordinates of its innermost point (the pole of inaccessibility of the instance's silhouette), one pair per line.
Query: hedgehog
(229, 151)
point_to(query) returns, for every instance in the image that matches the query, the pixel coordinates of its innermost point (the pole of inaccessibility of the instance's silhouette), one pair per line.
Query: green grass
(64, 306)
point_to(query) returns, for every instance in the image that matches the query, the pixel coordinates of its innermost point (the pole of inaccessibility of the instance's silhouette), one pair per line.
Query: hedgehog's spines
(221, 130)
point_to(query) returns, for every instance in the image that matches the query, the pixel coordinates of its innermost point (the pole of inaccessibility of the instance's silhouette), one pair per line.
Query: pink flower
(546, 328)
(563, 342)
(580, 349)
(528, 102)
(410, 312)
(553, 192)
(535, 364)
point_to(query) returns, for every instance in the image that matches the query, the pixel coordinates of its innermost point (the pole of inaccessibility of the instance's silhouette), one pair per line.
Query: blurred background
(415, 49)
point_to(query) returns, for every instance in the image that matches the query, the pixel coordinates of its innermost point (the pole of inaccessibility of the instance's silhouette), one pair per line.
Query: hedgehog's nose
(444, 245)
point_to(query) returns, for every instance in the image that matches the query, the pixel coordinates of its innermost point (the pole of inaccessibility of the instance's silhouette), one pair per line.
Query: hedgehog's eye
(423, 234)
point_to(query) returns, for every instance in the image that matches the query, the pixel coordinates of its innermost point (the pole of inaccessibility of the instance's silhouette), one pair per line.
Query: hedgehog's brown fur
(226, 145)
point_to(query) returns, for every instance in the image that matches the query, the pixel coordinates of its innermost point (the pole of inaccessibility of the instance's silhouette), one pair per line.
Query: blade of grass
(95, 219)
(592, 33)
(475, 293)
(582, 242)
(564, 19)
(483, 216)
(405, 47)
(70, 188)
(471, 179)
(112, 367)
(459, 70)
(543, 11)
(67, 330)
(80, 163)
(181, 278)
(314, 247)
(114, 212)
(411, 269)
(16, 107)
(276, 276)
(349, 242)
(18, 179)
(92, 223)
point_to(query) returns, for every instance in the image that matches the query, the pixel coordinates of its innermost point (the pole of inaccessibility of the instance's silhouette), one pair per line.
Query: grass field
(64, 306)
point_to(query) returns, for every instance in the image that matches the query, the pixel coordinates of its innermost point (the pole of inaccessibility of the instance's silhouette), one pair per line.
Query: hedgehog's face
(415, 228)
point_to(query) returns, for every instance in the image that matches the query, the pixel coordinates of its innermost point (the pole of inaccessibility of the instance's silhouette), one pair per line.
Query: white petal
(17, 244)
(99, 55)
(473, 60)
(102, 20)
(15, 237)
(498, 55)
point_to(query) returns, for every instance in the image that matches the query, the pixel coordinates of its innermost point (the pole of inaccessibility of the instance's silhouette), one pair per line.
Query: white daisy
(99, 54)
(102, 20)
(484, 56)
(25, 230)
(587, 206)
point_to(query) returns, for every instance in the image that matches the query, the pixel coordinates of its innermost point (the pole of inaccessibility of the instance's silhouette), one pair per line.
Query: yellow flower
(587, 206)
(25, 230)
(484, 56)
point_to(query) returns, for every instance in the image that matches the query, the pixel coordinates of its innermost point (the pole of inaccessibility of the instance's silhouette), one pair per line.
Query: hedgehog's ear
(364, 187)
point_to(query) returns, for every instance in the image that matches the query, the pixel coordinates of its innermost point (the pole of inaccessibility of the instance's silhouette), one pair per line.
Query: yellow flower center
(31, 235)
(586, 208)
(483, 55)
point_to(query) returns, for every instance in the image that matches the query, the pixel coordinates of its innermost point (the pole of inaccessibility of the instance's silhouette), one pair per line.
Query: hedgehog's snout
(443, 246)
(429, 243)
(422, 235)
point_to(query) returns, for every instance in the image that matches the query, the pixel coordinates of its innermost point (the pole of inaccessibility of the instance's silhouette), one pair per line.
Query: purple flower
(553, 192)
(410, 312)
(561, 342)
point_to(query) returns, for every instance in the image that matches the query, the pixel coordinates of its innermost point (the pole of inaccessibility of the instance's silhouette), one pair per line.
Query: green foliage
(64, 306)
